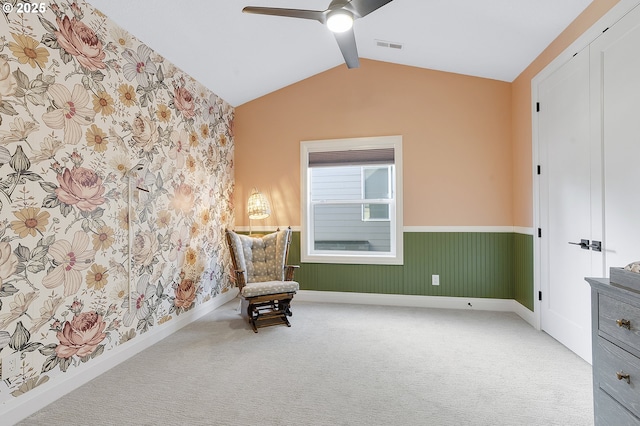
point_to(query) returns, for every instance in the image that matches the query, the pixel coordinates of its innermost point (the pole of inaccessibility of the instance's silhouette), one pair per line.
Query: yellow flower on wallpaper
(103, 238)
(71, 111)
(164, 219)
(194, 230)
(27, 51)
(127, 95)
(205, 216)
(190, 256)
(29, 221)
(204, 131)
(123, 218)
(97, 277)
(194, 141)
(96, 139)
(191, 164)
(103, 103)
(163, 113)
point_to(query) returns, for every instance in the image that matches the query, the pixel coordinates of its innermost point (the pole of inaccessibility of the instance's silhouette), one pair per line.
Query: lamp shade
(258, 206)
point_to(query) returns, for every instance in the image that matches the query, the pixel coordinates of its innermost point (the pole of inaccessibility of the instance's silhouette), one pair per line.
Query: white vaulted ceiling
(241, 57)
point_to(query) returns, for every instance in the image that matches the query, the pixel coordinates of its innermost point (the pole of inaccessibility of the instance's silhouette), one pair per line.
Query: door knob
(584, 244)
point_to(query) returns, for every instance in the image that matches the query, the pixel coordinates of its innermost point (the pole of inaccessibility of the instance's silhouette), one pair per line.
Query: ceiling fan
(338, 17)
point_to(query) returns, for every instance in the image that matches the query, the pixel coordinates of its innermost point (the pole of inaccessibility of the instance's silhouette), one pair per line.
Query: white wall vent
(389, 44)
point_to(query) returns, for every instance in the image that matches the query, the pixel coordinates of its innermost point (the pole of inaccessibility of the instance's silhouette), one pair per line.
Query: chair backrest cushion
(261, 259)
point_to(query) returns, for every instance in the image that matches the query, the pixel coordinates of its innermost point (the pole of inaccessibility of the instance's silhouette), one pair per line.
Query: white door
(566, 203)
(615, 64)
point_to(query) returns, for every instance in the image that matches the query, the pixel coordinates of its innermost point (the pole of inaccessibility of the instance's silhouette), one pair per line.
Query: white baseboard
(17, 409)
(443, 302)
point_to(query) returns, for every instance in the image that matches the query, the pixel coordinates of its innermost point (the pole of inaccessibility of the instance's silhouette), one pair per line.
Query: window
(376, 184)
(352, 200)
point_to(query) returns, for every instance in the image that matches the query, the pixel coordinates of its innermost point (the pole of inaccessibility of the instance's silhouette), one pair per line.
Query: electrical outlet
(435, 279)
(10, 365)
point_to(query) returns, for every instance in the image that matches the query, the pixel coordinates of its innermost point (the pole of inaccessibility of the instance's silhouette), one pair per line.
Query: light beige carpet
(341, 365)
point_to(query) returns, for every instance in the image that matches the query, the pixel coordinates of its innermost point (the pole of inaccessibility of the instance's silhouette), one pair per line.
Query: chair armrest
(237, 277)
(289, 270)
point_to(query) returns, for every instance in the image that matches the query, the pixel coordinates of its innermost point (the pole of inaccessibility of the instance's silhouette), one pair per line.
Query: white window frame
(308, 253)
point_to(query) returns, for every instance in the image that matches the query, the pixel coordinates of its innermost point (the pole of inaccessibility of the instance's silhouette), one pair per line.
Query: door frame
(607, 20)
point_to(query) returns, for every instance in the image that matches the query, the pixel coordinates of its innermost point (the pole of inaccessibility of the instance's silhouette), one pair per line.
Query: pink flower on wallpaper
(185, 293)
(180, 147)
(183, 198)
(80, 41)
(145, 133)
(184, 102)
(81, 336)
(80, 187)
(71, 112)
(71, 258)
(8, 261)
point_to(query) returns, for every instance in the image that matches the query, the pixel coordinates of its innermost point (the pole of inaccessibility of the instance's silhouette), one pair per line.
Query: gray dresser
(615, 317)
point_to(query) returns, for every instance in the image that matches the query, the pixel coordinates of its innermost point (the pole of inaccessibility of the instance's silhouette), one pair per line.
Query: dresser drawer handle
(624, 323)
(621, 375)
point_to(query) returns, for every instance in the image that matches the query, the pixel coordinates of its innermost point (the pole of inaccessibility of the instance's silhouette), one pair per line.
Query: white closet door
(566, 203)
(615, 65)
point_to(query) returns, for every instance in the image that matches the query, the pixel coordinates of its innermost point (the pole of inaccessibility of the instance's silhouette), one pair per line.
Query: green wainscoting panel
(523, 263)
(470, 264)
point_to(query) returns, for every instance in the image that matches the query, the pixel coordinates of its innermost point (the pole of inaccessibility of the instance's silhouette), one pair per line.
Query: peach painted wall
(521, 92)
(456, 140)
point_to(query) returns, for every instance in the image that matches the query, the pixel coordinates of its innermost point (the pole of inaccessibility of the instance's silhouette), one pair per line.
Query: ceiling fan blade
(364, 7)
(347, 43)
(315, 15)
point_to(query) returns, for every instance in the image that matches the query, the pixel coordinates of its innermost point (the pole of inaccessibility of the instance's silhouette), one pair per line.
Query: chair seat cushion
(269, 287)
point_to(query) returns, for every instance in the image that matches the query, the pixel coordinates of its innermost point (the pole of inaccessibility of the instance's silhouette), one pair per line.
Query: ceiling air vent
(389, 44)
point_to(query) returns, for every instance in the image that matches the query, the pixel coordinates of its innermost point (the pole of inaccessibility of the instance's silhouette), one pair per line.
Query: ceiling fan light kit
(338, 18)
(339, 21)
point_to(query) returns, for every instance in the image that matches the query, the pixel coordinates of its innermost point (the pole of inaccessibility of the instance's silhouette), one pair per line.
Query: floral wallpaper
(116, 182)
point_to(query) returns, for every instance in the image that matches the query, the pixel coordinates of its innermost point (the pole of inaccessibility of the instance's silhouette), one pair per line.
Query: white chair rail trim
(505, 229)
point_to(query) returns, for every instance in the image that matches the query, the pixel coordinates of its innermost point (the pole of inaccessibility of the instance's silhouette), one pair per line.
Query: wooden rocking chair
(265, 281)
